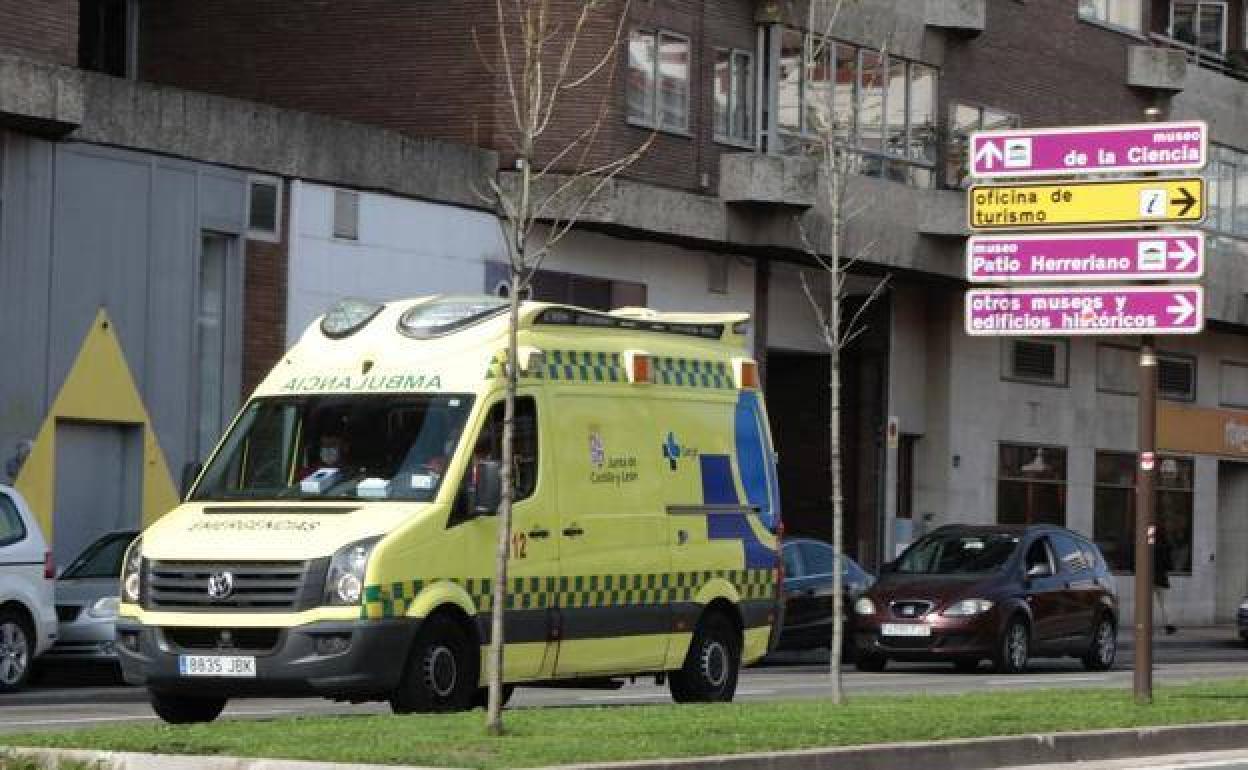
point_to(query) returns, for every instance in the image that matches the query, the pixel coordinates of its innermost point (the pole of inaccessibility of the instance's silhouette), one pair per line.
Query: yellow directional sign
(1086, 204)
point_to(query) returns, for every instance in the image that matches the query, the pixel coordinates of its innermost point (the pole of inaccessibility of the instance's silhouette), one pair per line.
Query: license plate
(905, 629)
(217, 665)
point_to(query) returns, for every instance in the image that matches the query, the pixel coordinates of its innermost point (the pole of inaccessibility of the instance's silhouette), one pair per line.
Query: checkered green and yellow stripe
(582, 591)
(597, 367)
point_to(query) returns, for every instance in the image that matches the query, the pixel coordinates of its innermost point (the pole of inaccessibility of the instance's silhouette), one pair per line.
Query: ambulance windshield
(338, 447)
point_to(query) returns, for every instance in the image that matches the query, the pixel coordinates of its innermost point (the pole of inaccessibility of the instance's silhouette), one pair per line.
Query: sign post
(1148, 256)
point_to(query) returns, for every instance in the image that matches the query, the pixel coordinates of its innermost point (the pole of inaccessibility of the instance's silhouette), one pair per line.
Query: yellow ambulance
(341, 540)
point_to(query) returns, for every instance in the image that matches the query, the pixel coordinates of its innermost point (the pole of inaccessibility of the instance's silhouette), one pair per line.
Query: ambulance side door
(533, 567)
(614, 555)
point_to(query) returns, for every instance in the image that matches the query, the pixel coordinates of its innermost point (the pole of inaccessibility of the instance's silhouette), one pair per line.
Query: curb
(967, 754)
(125, 760)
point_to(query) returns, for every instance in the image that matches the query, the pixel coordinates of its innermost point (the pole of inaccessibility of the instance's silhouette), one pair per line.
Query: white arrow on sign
(988, 152)
(1182, 309)
(1185, 255)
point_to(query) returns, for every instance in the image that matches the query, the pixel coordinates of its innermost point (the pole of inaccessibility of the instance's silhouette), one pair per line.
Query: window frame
(1222, 35)
(1064, 482)
(1127, 523)
(659, 33)
(944, 151)
(1110, 25)
(1062, 361)
(1222, 365)
(751, 120)
(1187, 358)
(253, 233)
(1133, 391)
(8, 506)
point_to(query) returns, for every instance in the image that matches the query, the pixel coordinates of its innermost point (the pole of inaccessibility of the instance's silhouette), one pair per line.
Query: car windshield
(101, 559)
(957, 553)
(339, 447)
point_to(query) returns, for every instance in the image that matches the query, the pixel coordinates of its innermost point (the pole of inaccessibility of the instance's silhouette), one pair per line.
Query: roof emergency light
(640, 367)
(746, 372)
(348, 316)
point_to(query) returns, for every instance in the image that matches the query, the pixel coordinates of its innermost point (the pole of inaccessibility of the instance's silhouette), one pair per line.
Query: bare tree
(541, 59)
(832, 137)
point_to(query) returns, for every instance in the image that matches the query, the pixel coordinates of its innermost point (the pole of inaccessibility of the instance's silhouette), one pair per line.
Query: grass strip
(594, 734)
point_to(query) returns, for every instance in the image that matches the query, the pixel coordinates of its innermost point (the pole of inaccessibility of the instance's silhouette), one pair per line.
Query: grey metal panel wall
(83, 226)
(25, 232)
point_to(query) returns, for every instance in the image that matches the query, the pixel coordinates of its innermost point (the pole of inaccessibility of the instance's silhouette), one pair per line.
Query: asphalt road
(85, 698)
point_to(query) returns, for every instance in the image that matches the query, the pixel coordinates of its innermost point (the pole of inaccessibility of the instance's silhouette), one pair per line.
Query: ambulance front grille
(269, 586)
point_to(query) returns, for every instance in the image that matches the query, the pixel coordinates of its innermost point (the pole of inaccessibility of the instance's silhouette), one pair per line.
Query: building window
(1199, 24)
(108, 32)
(264, 208)
(1039, 361)
(570, 288)
(1128, 14)
(1233, 384)
(347, 215)
(1031, 485)
(1114, 518)
(882, 108)
(734, 96)
(1176, 377)
(658, 80)
(964, 119)
(1226, 182)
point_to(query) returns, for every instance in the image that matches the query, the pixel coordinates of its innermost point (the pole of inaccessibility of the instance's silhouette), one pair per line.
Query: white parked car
(27, 588)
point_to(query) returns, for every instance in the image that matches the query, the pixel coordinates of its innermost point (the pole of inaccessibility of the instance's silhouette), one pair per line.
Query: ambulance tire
(441, 670)
(712, 664)
(186, 709)
(482, 699)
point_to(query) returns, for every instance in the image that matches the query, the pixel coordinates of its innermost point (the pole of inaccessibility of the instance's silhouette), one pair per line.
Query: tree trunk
(836, 183)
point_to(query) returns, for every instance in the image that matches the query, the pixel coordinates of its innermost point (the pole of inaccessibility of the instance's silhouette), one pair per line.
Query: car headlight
(131, 573)
(966, 608)
(105, 607)
(864, 606)
(344, 583)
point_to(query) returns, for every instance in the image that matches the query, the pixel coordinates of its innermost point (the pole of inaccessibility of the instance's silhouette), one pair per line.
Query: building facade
(940, 427)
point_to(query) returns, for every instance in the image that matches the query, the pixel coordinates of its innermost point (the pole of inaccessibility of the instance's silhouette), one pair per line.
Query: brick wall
(41, 29)
(1039, 61)
(264, 303)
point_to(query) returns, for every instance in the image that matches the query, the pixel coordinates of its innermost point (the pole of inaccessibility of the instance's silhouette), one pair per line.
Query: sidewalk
(1221, 636)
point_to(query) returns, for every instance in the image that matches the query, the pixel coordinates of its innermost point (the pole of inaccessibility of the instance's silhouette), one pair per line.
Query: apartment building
(941, 427)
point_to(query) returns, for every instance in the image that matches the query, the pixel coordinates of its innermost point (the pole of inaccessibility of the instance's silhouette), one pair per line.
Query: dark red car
(966, 593)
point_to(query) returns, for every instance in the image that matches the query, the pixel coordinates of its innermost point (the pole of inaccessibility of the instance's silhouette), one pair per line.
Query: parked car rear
(808, 594)
(27, 611)
(966, 593)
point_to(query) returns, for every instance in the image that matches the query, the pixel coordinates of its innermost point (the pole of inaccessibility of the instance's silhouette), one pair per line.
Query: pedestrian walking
(1161, 577)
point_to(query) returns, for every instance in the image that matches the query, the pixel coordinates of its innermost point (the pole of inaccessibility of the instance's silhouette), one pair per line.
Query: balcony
(1232, 64)
(40, 98)
(966, 16)
(757, 178)
(1156, 68)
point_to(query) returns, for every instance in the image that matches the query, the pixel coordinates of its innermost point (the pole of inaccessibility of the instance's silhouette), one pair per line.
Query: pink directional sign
(1087, 149)
(1062, 312)
(1101, 257)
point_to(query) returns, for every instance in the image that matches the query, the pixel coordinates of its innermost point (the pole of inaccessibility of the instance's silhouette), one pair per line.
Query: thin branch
(820, 317)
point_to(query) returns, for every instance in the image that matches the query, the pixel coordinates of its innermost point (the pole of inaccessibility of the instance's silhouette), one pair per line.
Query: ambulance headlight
(132, 573)
(344, 584)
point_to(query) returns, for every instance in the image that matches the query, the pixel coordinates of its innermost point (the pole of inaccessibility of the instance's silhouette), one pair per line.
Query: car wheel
(441, 672)
(17, 649)
(966, 665)
(1103, 647)
(186, 709)
(870, 662)
(1013, 648)
(712, 664)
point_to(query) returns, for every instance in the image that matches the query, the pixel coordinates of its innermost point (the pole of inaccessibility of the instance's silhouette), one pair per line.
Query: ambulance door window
(756, 458)
(489, 447)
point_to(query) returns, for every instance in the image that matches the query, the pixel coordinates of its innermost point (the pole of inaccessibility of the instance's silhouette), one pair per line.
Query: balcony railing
(1235, 65)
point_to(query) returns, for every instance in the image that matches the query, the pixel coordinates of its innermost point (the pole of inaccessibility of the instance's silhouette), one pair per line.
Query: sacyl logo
(220, 585)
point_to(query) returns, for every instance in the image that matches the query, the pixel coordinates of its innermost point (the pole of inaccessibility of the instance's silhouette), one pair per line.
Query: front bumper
(85, 639)
(950, 639)
(1241, 622)
(369, 667)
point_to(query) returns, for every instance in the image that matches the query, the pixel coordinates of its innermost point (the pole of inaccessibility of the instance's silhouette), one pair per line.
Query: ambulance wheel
(712, 665)
(186, 709)
(482, 699)
(441, 670)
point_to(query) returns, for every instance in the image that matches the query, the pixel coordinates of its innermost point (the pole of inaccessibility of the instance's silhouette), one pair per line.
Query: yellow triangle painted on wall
(99, 388)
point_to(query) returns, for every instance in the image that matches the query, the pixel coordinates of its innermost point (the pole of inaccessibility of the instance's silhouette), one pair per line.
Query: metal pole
(1143, 678)
(1144, 500)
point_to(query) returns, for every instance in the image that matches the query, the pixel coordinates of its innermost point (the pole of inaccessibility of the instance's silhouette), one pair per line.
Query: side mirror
(488, 492)
(190, 472)
(1039, 571)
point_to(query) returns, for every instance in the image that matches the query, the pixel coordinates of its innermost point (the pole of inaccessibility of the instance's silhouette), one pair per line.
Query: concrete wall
(87, 227)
